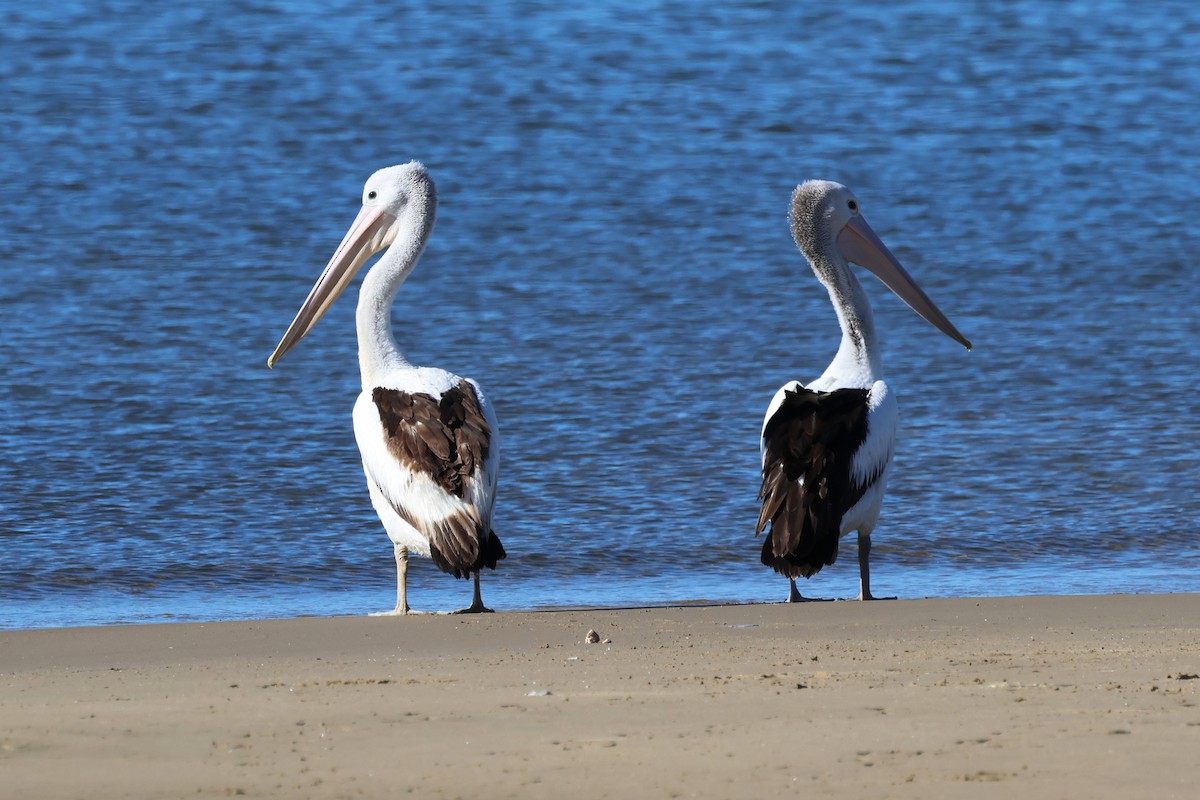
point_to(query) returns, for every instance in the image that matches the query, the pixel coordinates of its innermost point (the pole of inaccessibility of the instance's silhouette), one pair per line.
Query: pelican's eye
(853, 206)
(371, 195)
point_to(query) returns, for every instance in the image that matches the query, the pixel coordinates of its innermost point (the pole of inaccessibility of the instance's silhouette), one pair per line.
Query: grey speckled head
(831, 232)
(817, 214)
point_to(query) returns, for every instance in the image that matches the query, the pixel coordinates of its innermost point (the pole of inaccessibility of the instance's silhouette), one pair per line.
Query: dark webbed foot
(477, 606)
(473, 609)
(794, 596)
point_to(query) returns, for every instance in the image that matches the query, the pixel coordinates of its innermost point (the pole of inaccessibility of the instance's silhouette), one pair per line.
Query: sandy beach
(1092, 696)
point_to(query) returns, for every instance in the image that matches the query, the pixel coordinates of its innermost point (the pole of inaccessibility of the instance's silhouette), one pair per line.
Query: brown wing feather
(449, 440)
(808, 445)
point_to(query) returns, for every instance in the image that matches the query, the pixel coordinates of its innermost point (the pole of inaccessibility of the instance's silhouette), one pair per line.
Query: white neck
(857, 363)
(378, 352)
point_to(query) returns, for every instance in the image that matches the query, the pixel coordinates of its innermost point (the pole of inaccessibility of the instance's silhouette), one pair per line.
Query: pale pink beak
(373, 230)
(858, 243)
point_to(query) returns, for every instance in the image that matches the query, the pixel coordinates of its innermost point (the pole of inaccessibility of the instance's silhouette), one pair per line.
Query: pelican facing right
(827, 447)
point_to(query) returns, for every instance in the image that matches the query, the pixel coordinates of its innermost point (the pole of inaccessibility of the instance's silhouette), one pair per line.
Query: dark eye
(853, 206)
(371, 195)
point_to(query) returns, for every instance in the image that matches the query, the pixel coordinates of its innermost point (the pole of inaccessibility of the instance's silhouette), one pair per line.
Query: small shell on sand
(592, 637)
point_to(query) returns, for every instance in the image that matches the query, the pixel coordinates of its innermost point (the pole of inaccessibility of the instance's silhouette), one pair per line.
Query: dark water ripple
(614, 183)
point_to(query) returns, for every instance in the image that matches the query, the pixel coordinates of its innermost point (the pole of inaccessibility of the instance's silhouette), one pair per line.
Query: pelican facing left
(427, 437)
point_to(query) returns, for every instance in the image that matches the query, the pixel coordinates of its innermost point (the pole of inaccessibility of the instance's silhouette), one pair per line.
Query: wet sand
(1092, 696)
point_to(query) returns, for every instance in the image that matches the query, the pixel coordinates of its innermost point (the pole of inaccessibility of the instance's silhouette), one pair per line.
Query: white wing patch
(876, 451)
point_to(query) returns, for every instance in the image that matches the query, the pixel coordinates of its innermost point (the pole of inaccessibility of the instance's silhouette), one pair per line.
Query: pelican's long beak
(373, 230)
(858, 243)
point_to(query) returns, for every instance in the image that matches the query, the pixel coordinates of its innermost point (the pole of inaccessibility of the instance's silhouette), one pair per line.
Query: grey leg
(864, 569)
(477, 606)
(794, 595)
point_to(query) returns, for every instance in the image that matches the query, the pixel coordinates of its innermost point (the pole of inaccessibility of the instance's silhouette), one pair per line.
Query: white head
(394, 199)
(393, 190)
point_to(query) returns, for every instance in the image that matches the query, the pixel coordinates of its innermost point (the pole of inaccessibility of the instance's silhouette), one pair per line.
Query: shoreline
(1086, 695)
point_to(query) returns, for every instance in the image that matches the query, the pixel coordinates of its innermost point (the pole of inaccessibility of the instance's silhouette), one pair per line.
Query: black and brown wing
(809, 444)
(448, 439)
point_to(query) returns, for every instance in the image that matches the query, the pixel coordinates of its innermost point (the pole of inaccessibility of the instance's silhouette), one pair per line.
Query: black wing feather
(807, 488)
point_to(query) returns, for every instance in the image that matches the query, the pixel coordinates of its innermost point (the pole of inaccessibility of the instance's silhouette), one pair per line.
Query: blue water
(613, 264)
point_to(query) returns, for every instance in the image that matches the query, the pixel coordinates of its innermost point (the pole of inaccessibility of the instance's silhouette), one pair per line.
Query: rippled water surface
(613, 264)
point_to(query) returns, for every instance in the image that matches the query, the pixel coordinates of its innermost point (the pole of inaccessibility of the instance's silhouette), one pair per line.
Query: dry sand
(1034, 697)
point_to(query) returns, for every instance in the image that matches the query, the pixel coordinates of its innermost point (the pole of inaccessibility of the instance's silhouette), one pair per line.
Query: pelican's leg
(864, 569)
(477, 606)
(401, 585)
(794, 595)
